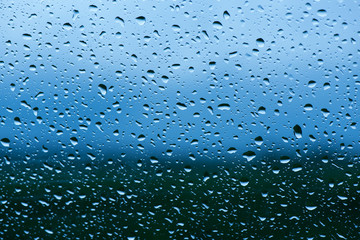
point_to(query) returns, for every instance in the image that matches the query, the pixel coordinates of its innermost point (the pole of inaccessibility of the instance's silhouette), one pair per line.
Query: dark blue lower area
(149, 198)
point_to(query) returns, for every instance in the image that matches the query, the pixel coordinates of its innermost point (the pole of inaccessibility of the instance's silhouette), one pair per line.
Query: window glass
(179, 119)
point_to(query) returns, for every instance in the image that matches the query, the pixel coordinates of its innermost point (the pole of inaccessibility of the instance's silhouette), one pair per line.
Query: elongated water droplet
(297, 131)
(181, 106)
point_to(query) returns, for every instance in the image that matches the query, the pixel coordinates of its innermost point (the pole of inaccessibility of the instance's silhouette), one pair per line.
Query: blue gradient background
(131, 119)
(300, 45)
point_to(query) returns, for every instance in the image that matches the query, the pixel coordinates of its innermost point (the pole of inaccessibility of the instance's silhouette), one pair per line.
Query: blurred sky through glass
(240, 71)
(179, 119)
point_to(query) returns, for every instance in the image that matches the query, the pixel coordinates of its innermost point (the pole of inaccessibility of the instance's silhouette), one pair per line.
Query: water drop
(308, 107)
(67, 26)
(262, 110)
(17, 121)
(93, 8)
(120, 20)
(249, 155)
(260, 42)
(217, 25)
(141, 20)
(259, 141)
(74, 141)
(297, 131)
(103, 89)
(325, 112)
(244, 182)
(5, 142)
(224, 106)
(141, 137)
(176, 28)
(232, 150)
(284, 159)
(181, 106)
(311, 208)
(311, 84)
(187, 168)
(342, 197)
(27, 36)
(226, 15)
(321, 13)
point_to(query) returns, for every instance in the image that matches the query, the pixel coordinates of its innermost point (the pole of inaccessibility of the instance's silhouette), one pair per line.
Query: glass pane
(179, 119)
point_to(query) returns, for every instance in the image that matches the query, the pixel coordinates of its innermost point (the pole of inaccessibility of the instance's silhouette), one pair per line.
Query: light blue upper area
(189, 77)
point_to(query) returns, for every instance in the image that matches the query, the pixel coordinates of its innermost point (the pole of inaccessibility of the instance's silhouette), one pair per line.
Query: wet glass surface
(179, 120)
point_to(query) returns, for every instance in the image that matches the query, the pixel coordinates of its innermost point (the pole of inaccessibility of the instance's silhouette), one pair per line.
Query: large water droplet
(297, 131)
(5, 142)
(249, 155)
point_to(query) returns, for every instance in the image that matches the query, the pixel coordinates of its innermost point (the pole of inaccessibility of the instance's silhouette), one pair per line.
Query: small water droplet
(244, 182)
(226, 15)
(343, 198)
(232, 150)
(259, 141)
(217, 25)
(74, 141)
(325, 112)
(141, 20)
(308, 107)
(93, 8)
(249, 155)
(141, 137)
(27, 36)
(187, 168)
(260, 42)
(321, 13)
(311, 84)
(284, 159)
(176, 28)
(67, 26)
(103, 89)
(311, 208)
